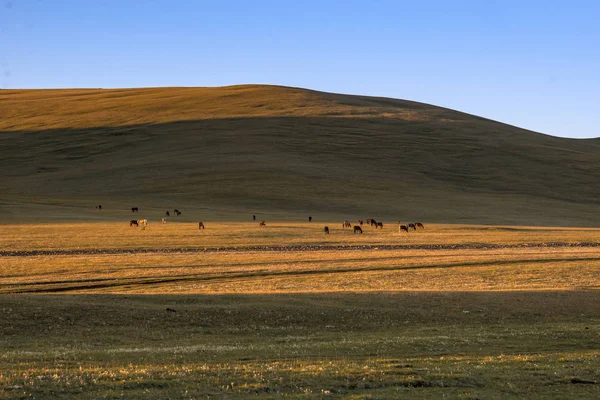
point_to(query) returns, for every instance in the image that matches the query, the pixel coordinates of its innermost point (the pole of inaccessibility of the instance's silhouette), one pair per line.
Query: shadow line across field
(103, 283)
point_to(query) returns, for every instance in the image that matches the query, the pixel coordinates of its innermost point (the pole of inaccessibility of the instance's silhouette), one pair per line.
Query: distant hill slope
(282, 153)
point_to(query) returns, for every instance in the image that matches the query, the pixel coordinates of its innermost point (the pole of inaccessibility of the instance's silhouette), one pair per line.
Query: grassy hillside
(281, 153)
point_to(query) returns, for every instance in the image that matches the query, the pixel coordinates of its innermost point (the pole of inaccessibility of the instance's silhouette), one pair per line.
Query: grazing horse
(177, 212)
(414, 228)
(143, 223)
(133, 222)
(134, 209)
(360, 222)
(357, 229)
(164, 220)
(379, 225)
(326, 230)
(200, 225)
(168, 214)
(263, 223)
(403, 228)
(419, 225)
(371, 221)
(346, 224)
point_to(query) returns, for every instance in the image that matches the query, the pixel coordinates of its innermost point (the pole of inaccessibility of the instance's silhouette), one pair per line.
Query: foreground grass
(469, 345)
(362, 324)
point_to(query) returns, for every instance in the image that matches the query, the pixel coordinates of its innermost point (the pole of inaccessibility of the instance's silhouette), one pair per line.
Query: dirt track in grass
(482, 246)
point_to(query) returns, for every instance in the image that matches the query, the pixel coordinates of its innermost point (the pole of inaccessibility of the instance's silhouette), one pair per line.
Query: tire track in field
(294, 248)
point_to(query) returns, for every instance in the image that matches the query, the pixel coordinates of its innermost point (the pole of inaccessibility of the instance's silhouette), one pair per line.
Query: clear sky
(534, 64)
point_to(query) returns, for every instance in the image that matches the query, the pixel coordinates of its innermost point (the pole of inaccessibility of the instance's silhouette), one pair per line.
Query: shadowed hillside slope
(281, 153)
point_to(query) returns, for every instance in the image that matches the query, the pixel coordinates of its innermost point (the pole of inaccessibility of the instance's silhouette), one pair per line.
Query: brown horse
(134, 209)
(419, 225)
(360, 222)
(404, 228)
(133, 222)
(357, 229)
(414, 228)
(200, 225)
(263, 223)
(346, 224)
(326, 230)
(379, 225)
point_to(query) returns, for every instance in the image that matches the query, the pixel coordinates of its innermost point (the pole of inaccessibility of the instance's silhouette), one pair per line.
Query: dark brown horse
(326, 230)
(134, 209)
(168, 214)
(419, 225)
(404, 228)
(414, 228)
(263, 223)
(379, 225)
(133, 222)
(200, 225)
(357, 229)
(360, 222)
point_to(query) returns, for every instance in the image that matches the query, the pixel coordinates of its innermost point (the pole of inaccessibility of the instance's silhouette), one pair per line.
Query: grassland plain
(101, 310)
(226, 153)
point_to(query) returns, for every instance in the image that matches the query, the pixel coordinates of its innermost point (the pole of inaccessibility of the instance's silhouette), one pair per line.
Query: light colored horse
(143, 223)
(164, 220)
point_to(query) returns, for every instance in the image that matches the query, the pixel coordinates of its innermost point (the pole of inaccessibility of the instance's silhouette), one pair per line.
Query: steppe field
(498, 297)
(104, 310)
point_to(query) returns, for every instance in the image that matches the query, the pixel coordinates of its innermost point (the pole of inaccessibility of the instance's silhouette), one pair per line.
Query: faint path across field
(469, 246)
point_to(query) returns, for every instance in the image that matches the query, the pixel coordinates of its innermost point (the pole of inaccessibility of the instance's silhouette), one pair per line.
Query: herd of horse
(376, 224)
(143, 223)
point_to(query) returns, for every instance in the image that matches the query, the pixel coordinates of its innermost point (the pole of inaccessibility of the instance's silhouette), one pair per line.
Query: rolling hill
(281, 153)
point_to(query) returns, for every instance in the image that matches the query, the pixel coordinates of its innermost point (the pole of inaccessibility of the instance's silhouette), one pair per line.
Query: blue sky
(534, 64)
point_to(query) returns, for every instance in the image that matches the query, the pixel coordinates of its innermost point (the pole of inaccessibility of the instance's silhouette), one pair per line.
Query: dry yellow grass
(296, 272)
(244, 267)
(88, 108)
(97, 235)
